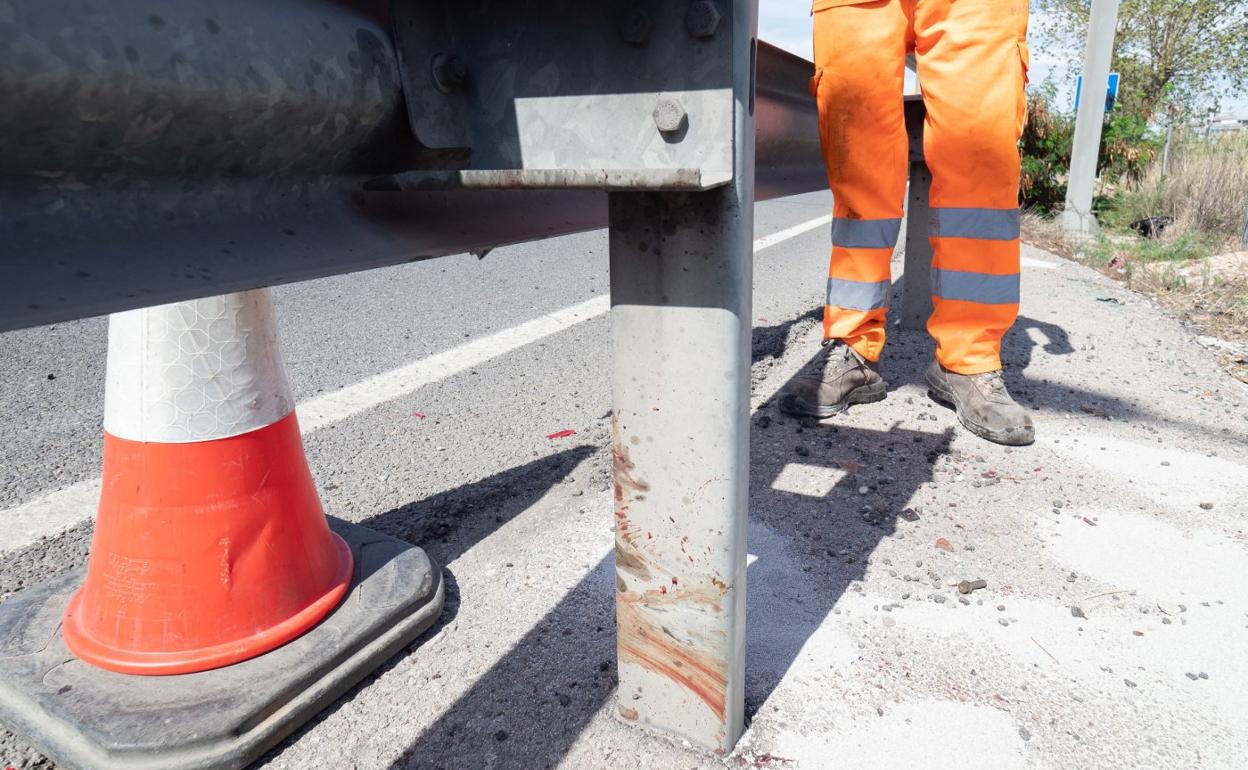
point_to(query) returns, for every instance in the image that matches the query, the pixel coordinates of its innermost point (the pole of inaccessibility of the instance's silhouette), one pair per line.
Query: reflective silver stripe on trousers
(984, 224)
(865, 233)
(858, 295)
(984, 288)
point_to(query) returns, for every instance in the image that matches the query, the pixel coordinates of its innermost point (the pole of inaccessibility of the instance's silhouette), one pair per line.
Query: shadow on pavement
(446, 525)
(532, 705)
(833, 492)
(449, 523)
(811, 538)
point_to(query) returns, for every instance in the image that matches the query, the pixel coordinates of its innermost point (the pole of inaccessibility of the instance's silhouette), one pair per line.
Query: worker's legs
(858, 83)
(972, 60)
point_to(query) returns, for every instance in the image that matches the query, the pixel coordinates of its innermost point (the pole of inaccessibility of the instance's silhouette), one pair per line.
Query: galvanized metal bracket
(620, 94)
(429, 70)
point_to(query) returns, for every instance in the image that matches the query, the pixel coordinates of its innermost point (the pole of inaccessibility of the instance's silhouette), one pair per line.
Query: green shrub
(1128, 148)
(1045, 149)
(1131, 204)
(1189, 245)
(1128, 151)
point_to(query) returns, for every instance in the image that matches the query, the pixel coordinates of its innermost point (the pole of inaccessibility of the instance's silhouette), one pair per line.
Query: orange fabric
(205, 554)
(972, 59)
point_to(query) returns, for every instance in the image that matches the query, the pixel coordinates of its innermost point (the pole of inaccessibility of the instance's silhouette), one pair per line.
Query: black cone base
(89, 718)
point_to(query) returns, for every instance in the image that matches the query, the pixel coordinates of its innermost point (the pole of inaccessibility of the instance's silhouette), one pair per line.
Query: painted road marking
(792, 232)
(1043, 264)
(58, 511)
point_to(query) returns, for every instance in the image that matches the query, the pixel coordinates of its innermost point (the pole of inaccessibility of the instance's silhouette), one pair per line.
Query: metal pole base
(1079, 227)
(86, 717)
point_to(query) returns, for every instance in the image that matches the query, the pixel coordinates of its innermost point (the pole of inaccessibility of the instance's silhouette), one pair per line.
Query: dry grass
(1206, 191)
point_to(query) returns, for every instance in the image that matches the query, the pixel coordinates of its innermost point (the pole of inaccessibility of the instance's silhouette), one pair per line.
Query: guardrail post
(916, 301)
(681, 278)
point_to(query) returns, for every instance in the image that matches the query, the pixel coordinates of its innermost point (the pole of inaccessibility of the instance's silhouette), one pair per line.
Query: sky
(786, 23)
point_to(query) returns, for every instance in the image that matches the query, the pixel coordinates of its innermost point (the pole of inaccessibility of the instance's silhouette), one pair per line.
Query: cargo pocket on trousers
(820, 106)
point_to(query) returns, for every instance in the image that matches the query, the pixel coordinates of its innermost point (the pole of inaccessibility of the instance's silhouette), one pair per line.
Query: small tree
(1193, 49)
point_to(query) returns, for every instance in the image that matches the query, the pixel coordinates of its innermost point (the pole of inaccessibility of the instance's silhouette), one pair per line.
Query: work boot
(983, 405)
(836, 378)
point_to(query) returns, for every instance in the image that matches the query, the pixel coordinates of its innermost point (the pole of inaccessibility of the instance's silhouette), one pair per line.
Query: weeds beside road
(1170, 230)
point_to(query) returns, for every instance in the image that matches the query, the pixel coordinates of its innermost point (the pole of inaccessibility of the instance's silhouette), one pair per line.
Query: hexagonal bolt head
(669, 115)
(702, 18)
(635, 27)
(448, 71)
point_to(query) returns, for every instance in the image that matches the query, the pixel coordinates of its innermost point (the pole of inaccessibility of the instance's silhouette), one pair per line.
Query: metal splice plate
(86, 717)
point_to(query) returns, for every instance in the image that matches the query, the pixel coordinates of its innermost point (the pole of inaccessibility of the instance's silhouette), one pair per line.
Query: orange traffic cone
(211, 546)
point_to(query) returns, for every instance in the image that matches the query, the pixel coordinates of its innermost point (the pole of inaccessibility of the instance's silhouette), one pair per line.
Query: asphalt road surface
(1110, 633)
(516, 376)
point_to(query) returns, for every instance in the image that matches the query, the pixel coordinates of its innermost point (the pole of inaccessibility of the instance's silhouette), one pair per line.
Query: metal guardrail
(159, 151)
(164, 151)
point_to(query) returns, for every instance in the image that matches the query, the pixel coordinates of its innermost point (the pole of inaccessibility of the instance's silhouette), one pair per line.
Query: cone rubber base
(86, 717)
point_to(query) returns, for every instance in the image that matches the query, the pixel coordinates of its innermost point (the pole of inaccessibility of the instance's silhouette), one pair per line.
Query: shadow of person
(822, 499)
(1018, 343)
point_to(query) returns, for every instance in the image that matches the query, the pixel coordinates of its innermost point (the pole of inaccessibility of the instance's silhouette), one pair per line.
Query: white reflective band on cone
(195, 371)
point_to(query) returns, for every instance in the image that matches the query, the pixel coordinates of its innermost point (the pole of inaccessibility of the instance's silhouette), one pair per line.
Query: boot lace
(992, 384)
(831, 352)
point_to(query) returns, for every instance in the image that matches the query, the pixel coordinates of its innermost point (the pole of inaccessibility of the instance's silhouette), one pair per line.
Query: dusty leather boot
(836, 378)
(983, 405)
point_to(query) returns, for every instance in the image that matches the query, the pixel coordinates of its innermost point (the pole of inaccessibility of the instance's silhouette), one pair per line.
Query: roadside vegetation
(1193, 260)
(1172, 223)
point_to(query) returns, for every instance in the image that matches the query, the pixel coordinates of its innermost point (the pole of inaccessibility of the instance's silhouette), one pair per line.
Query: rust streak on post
(644, 641)
(697, 665)
(628, 555)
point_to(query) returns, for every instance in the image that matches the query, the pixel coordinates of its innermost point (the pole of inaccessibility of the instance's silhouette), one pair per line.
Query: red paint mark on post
(419, 415)
(562, 433)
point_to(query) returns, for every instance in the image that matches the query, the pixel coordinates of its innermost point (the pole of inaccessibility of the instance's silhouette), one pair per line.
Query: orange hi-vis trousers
(972, 66)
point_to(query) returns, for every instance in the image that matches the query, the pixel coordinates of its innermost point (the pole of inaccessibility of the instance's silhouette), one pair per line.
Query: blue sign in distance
(1111, 93)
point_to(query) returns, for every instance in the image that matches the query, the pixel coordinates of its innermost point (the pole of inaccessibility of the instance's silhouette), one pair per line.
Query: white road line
(792, 232)
(49, 515)
(1043, 264)
(330, 408)
(58, 511)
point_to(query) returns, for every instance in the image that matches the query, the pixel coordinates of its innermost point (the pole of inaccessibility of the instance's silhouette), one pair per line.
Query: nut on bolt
(635, 27)
(702, 18)
(448, 71)
(669, 114)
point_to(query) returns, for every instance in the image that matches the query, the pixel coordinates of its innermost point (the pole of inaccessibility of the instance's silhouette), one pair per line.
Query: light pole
(1077, 219)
